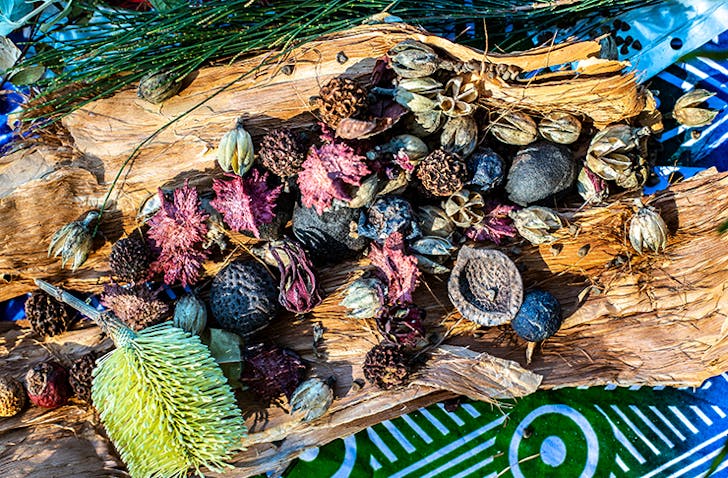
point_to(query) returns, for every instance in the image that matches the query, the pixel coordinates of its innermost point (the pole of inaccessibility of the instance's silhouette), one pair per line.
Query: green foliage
(165, 403)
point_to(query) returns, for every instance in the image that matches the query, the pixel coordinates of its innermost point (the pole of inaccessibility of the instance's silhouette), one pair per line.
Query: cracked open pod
(485, 286)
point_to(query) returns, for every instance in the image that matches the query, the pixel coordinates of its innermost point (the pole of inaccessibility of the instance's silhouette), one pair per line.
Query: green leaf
(225, 349)
(27, 76)
(9, 54)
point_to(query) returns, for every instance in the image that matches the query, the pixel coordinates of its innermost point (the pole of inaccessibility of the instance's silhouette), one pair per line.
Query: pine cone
(338, 99)
(386, 366)
(281, 153)
(81, 376)
(442, 173)
(130, 259)
(138, 307)
(47, 316)
(271, 371)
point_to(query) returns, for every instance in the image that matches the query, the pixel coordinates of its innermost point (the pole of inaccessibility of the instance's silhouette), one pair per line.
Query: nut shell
(485, 286)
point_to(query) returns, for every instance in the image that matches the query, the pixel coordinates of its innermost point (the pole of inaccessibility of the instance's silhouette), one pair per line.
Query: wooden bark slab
(649, 320)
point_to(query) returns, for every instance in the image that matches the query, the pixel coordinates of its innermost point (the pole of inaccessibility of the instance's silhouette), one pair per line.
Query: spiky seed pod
(165, 403)
(281, 153)
(271, 371)
(46, 315)
(48, 385)
(12, 397)
(243, 297)
(647, 229)
(137, 306)
(442, 173)
(130, 259)
(312, 398)
(81, 376)
(387, 366)
(338, 99)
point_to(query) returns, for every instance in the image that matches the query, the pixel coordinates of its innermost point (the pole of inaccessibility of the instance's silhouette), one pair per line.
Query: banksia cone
(130, 259)
(386, 366)
(281, 153)
(47, 316)
(442, 173)
(338, 99)
(81, 376)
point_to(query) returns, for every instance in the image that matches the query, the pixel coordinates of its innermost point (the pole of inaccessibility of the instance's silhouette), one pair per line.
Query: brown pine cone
(281, 153)
(387, 366)
(130, 259)
(81, 376)
(271, 371)
(47, 316)
(340, 98)
(442, 173)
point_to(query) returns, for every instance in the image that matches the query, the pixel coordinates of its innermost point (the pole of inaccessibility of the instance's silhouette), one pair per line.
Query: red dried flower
(495, 226)
(404, 324)
(245, 203)
(299, 291)
(326, 172)
(397, 268)
(178, 231)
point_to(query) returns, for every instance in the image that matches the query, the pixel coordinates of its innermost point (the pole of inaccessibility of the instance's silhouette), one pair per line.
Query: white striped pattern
(434, 421)
(621, 438)
(381, 446)
(680, 458)
(417, 429)
(683, 418)
(667, 422)
(401, 439)
(651, 426)
(636, 430)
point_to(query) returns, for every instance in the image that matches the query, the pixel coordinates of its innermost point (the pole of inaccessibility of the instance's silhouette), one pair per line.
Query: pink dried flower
(495, 226)
(178, 231)
(396, 267)
(245, 203)
(299, 291)
(326, 172)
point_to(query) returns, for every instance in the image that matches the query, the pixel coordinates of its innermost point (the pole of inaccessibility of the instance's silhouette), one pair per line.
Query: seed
(341, 57)
(583, 250)
(637, 45)
(287, 70)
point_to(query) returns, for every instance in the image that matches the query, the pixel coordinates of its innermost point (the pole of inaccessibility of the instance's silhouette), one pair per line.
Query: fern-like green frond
(165, 403)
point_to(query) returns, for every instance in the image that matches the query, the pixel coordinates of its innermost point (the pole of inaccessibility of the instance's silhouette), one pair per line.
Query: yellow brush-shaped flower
(163, 400)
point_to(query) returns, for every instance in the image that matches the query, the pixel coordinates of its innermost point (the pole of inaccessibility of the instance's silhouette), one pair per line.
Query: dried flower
(12, 397)
(687, 112)
(48, 385)
(496, 225)
(515, 128)
(190, 314)
(312, 398)
(365, 297)
(270, 371)
(338, 99)
(431, 252)
(536, 223)
(464, 208)
(178, 230)
(137, 306)
(459, 97)
(326, 172)
(130, 258)
(398, 268)
(433, 221)
(74, 240)
(47, 316)
(80, 376)
(235, 152)
(403, 324)
(298, 290)
(245, 203)
(387, 366)
(561, 128)
(387, 215)
(591, 187)
(611, 155)
(647, 230)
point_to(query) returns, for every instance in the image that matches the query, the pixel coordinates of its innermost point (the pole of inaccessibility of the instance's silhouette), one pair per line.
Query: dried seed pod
(403, 324)
(611, 151)
(48, 385)
(387, 366)
(407, 150)
(486, 169)
(442, 173)
(365, 297)
(434, 221)
(281, 153)
(312, 398)
(270, 371)
(538, 172)
(430, 266)
(459, 97)
(157, 86)
(465, 208)
(485, 286)
(388, 214)
(74, 240)
(130, 258)
(235, 151)
(422, 86)
(647, 229)
(137, 306)
(536, 223)
(47, 316)
(459, 135)
(515, 127)
(561, 128)
(687, 111)
(330, 236)
(591, 187)
(12, 397)
(80, 376)
(413, 59)
(415, 102)
(539, 316)
(431, 252)
(190, 314)
(338, 99)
